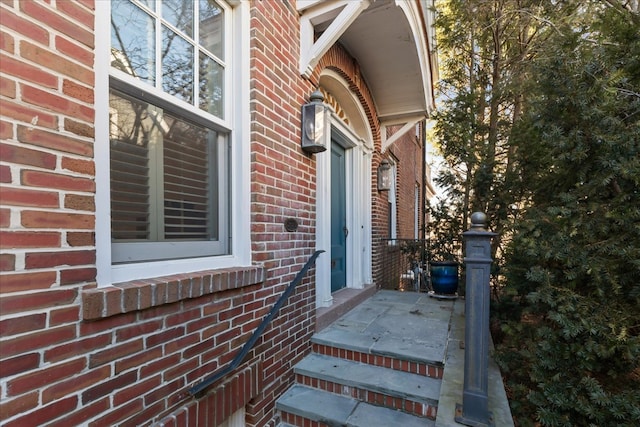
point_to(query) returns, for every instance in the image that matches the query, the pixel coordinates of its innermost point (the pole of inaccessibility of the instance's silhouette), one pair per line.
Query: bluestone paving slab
(404, 334)
(406, 325)
(366, 415)
(453, 380)
(364, 316)
(399, 324)
(391, 382)
(331, 409)
(317, 405)
(422, 352)
(395, 297)
(350, 340)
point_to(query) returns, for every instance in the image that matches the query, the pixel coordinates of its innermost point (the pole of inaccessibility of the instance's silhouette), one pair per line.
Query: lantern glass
(384, 176)
(314, 127)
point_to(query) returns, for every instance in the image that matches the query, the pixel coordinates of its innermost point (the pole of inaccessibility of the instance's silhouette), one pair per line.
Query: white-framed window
(416, 212)
(393, 212)
(169, 182)
(177, 47)
(176, 91)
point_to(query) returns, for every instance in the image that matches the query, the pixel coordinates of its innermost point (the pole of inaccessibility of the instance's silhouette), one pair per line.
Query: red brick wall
(73, 354)
(282, 187)
(47, 147)
(408, 155)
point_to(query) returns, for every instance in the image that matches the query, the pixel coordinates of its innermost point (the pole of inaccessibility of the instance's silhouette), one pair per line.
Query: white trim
(409, 124)
(312, 50)
(365, 214)
(323, 226)
(144, 270)
(349, 136)
(237, 83)
(358, 217)
(101, 146)
(403, 115)
(350, 105)
(358, 158)
(241, 148)
(302, 5)
(414, 19)
(401, 120)
(392, 200)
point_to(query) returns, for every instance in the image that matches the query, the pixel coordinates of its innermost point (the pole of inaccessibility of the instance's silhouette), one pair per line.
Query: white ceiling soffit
(388, 40)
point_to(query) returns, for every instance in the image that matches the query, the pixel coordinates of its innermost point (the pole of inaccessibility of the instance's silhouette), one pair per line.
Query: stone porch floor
(421, 328)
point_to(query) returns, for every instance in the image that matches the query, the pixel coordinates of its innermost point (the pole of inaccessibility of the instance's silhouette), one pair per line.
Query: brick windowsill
(141, 294)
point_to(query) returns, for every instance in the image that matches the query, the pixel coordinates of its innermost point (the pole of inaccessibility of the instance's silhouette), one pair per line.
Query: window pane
(212, 27)
(131, 127)
(211, 85)
(163, 175)
(151, 4)
(177, 65)
(169, 167)
(132, 41)
(188, 190)
(179, 13)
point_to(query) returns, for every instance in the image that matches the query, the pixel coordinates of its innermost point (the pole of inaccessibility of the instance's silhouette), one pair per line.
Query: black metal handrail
(404, 264)
(198, 388)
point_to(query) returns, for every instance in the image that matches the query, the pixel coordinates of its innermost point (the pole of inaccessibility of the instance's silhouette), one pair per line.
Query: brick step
(303, 406)
(409, 392)
(379, 365)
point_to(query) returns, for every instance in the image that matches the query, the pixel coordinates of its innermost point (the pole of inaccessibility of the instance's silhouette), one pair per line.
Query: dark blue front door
(339, 230)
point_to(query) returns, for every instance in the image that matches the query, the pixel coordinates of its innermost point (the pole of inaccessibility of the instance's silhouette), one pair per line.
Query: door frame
(338, 194)
(358, 157)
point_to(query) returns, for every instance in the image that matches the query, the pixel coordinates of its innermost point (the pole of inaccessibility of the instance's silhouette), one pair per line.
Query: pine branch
(628, 8)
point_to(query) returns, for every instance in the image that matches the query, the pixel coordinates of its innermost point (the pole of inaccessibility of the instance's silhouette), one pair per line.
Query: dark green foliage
(445, 231)
(540, 110)
(571, 349)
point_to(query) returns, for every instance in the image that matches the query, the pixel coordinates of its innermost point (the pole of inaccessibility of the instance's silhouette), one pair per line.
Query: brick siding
(407, 152)
(74, 354)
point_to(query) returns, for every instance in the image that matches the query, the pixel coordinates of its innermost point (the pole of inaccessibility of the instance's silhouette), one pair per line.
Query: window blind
(162, 174)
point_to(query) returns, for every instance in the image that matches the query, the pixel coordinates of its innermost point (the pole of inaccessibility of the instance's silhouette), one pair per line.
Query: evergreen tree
(572, 349)
(484, 49)
(540, 110)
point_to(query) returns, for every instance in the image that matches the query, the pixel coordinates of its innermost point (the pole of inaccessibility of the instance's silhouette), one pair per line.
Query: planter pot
(444, 277)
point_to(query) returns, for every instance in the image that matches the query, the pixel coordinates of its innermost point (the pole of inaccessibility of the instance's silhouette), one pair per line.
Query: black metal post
(474, 410)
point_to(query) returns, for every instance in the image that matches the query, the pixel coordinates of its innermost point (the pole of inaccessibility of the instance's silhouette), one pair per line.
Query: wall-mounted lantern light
(384, 176)
(315, 132)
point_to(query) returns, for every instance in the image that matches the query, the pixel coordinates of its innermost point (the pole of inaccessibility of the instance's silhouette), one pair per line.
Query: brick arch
(337, 59)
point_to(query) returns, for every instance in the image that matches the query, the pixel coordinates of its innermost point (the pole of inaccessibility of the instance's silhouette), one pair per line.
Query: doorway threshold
(343, 301)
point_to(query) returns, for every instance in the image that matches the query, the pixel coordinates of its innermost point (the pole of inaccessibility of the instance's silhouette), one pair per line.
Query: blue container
(444, 277)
